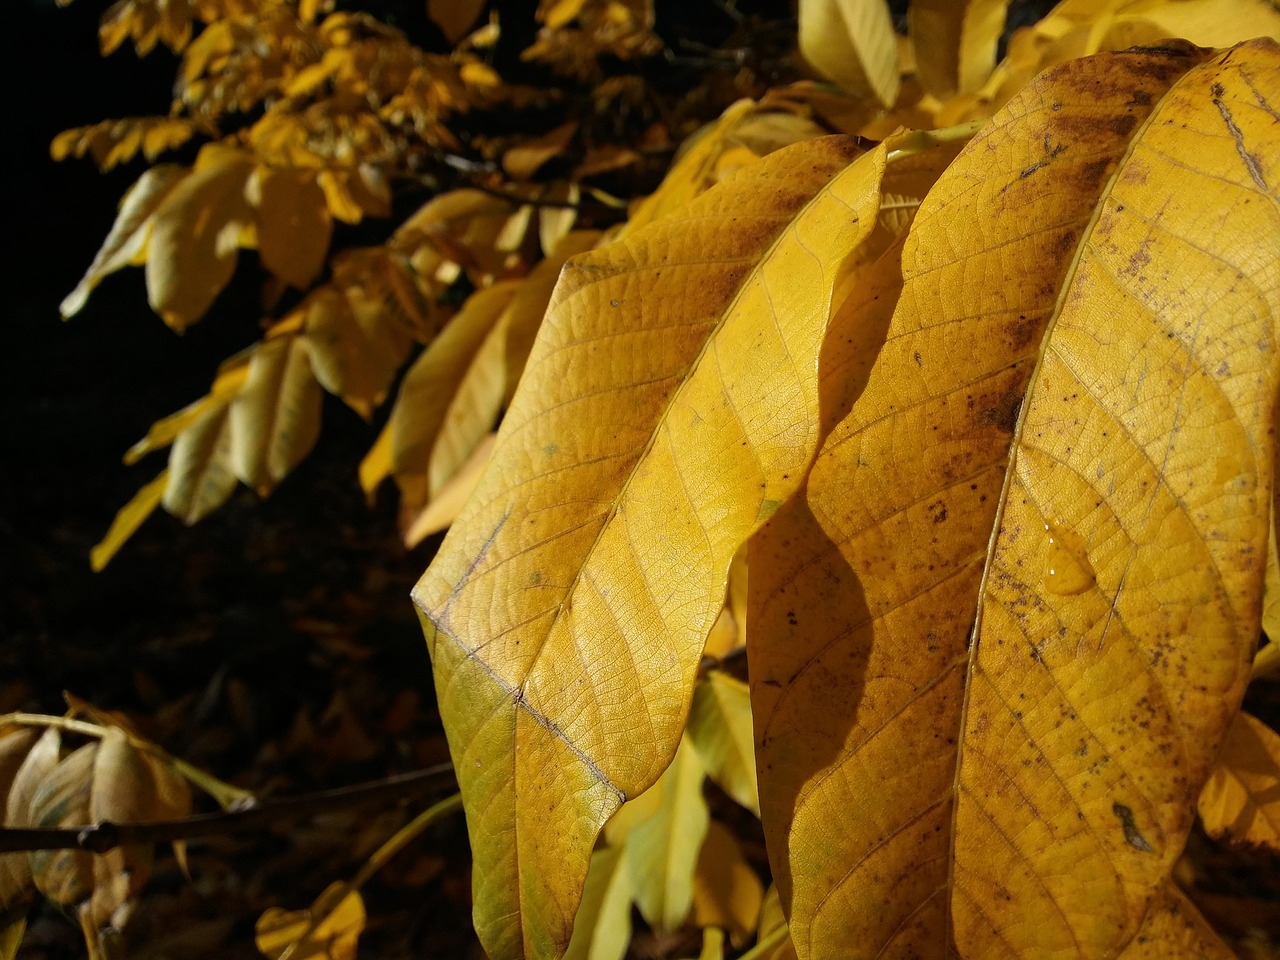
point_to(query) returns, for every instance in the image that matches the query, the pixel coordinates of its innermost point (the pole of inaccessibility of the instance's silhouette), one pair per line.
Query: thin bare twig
(101, 837)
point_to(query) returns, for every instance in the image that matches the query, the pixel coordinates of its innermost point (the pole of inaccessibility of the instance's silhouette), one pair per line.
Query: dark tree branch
(101, 837)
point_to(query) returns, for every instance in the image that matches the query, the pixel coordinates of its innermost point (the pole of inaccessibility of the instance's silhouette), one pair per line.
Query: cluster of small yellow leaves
(349, 336)
(170, 22)
(945, 71)
(576, 32)
(112, 142)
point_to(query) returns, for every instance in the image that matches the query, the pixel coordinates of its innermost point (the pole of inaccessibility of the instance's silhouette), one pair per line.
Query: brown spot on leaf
(1132, 835)
(1122, 125)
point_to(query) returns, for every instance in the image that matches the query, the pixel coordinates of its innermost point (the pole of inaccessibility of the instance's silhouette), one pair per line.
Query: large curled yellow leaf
(1065, 437)
(668, 406)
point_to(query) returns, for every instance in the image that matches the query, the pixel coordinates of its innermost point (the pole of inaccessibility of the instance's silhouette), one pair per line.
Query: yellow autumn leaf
(726, 891)
(1077, 451)
(1078, 29)
(852, 43)
(1271, 585)
(195, 236)
(354, 352)
(128, 238)
(13, 924)
(376, 464)
(275, 418)
(454, 17)
(1240, 802)
(294, 224)
(523, 318)
(451, 396)
(447, 503)
(164, 431)
(555, 222)
(1206, 23)
(431, 383)
(692, 171)
(524, 159)
(712, 944)
(624, 429)
(662, 849)
(201, 476)
(1173, 927)
(955, 43)
(127, 521)
(327, 930)
(602, 927)
(720, 728)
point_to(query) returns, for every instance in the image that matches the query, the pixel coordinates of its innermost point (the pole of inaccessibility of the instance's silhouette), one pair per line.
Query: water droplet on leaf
(1067, 570)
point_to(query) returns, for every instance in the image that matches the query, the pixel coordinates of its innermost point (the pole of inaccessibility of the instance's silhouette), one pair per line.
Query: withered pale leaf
(61, 799)
(16, 745)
